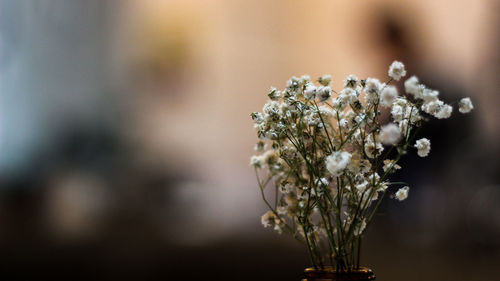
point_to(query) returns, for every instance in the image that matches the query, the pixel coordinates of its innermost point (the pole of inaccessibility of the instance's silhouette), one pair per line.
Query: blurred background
(125, 136)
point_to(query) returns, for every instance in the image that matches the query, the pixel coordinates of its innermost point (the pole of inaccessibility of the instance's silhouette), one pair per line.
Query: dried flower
(402, 193)
(351, 82)
(390, 134)
(424, 147)
(411, 85)
(388, 96)
(325, 80)
(337, 162)
(324, 159)
(465, 105)
(397, 70)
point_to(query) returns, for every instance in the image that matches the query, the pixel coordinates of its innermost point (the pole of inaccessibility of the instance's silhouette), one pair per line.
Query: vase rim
(331, 273)
(333, 269)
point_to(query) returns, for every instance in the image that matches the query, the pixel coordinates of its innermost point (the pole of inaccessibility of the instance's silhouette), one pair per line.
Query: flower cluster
(329, 155)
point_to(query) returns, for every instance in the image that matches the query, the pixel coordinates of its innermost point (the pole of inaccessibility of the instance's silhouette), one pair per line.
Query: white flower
(344, 123)
(402, 193)
(324, 93)
(286, 188)
(411, 85)
(403, 126)
(362, 186)
(257, 117)
(388, 96)
(397, 70)
(372, 88)
(310, 91)
(390, 134)
(465, 105)
(348, 95)
(339, 104)
(432, 107)
(390, 163)
(444, 112)
(430, 95)
(351, 81)
(281, 210)
(257, 161)
(374, 177)
(271, 110)
(322, 182)
(269, 219)
(292, 85)
(273, 94)
(372, 85)
(325, 80)
(313, 119)
(373, 149)
(424, 147)
(337, 162)
(397, 112)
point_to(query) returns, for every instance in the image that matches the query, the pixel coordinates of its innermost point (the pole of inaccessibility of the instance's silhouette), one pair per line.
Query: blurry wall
(54, 74)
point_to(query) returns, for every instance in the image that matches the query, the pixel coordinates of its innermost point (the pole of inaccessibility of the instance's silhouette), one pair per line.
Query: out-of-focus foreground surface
(125, 135)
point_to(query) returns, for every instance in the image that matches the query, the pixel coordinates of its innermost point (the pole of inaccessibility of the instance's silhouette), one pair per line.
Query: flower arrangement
(331, 155)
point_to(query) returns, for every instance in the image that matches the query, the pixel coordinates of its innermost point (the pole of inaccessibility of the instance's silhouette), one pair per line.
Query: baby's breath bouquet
(329, 155)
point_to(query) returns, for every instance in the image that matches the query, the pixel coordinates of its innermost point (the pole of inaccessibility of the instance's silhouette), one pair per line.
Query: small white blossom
(402, 193)
(432, 107)
(305, 78)
(390, 134)
(270, 219)
(348, 95)
(411, 85)
(324, 93)
(286, 188)
(424, 147)
(257, 117)
(293, 85)
(390, 163)
(344, 123)
(337, 162)
(257, 161)
(388, 96)
(382, 186)
(372, 88)
(372, 85)
(310, 91)
(325, 80)
(373, 149)
(271, 110)
(274, 94)
(403, 126)
(374, 177)
(397, 70)
(430, 95)
(362, 186)
(351, 82)
(281, 210)
(444, 112)
(465, 105)
(397, 112)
